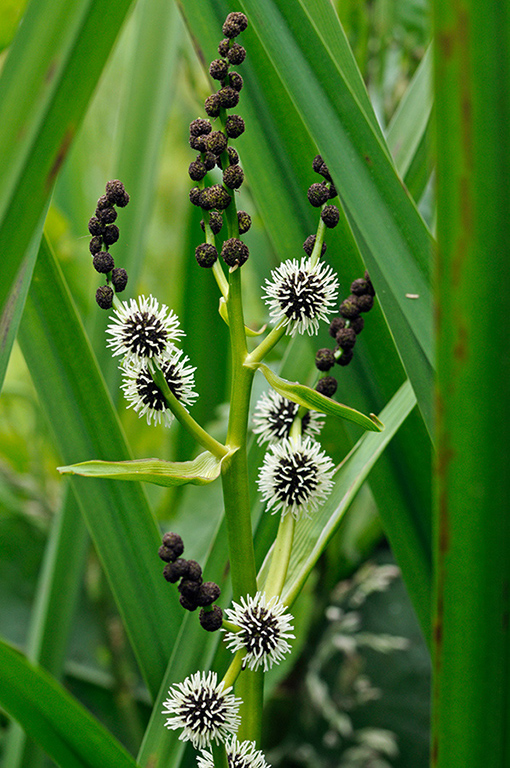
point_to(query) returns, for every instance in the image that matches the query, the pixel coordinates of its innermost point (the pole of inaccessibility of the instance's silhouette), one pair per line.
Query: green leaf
(53, 718)
(310, 398)
(48, 79)
(201, 471)
(125, 534)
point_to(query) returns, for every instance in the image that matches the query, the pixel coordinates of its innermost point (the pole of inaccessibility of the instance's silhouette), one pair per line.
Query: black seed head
(309, 244)
(235, 23)
(330, 215)
(236, 54)
(218, 69)
(95, 226)
(233, 176)
(229, 97)
(332, 192)
(106, 215)
(370, 286)
(197, 170)
(346, 338)
(208, 593)
(349, 307)
(95, 244)
(103, 262)
(335, 325)
(234, 126)
(195, 196)
(327, 386)
(206, 255)
(111, 234)
(244, 221)
(211, 620)
(200, 126)
(359, 287)
(215, 222)
(324, 171)
(104, 297)
(365, 302)
(197, 142)
(217, 197)
(234, 252)
(174, 542)
(324, 359)
(189, 605)
(212, 105)
(189, 589)
(346, 357)
(318, 194)
(209, 160)
(116, 193)
(235, 81)
(233, 157)
(103, 202)
(317, 163)
(194, 571)
(216, 142)
(357, 324)
(223, 47)
(175, 570)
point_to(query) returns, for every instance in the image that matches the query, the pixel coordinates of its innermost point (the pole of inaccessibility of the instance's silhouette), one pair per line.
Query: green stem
(180, 413)
(235, 668)
(219, 754)
(319, 239)
(265, 346)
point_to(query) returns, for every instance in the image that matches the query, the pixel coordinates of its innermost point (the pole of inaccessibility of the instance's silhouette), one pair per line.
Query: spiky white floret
(143, 330)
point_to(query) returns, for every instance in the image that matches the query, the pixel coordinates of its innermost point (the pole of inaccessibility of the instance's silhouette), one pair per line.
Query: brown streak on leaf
(59, 159)
(50, 72)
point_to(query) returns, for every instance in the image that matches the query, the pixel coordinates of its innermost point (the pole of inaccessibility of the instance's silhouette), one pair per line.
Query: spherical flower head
(144, 395)
(296, 477)
(274, 416)
(301, 294)
(240, 754)
(143, 330)
(203, 708)
(265, 628)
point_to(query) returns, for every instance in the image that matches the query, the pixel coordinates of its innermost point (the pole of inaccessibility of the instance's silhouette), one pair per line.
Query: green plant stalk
(281, 557)
(265, 346)
(180, 413)
(219, 754)
(471, 658)
(236, 498)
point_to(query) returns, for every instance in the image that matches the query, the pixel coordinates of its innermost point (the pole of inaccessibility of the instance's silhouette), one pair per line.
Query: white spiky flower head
(301, 294)
(203, 708)
(265, 627)
(240, 754)
(143, 330)
(274, 415)
(295, 477)
(144, 395)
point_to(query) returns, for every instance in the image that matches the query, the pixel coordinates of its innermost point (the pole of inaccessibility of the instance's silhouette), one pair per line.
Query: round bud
(189, 589)
(197, 142)
(359, 287)
(236, 54)
(95, 226)
(357, 324)
(212, 105)
(95, 244)
(104, 297)
(233, 157)
(335, 325)
(215, 223)
(119, 279)
(216, 142)
(236, 20)
(217, 197)
(324, 359)
(317, 163)
(111, 234)
(229, 97)
(243, 221)
(197, 170)
(346, 338)
(176, 570)
(330, 215)
(345, 358)
(194, 571)
(209, 160)
(318, 194)
(103, 262)
(365, 302)
(235, 81)
(327, 386)
(223, 47)
(208, 593)
(206, 255)
(309, 244)
(349, 307)
(200, 127)
(103, 202)
(324, 171)
(370, 286)
(195, 196)
(234, 126)
(187, 604)
(218, 69)
(166, 554)
(233, 176)
(211, 621)
(116, 193)
(234, 252)
(174, 542)
(106, 215)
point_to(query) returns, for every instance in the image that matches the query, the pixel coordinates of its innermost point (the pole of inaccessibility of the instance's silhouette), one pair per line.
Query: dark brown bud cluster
(344, 329)
(214, 150)
(194, 591)
(104, 234)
